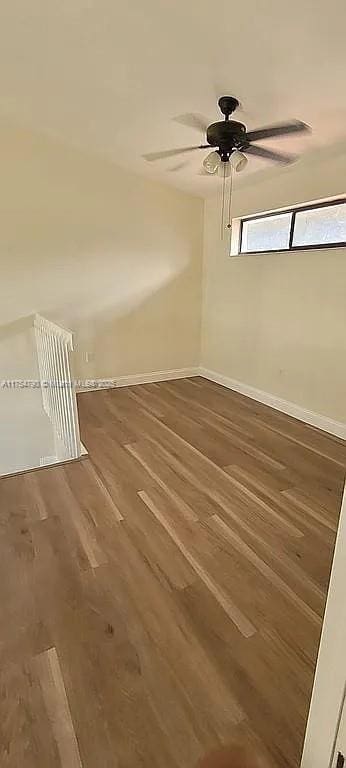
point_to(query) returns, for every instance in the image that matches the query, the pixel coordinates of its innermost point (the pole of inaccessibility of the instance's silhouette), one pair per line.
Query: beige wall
(277, 321)
(113, 256)
(118, 259)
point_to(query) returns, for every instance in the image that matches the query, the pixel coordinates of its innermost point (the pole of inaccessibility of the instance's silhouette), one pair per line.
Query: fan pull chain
(223, 202)
(226, 215)
(229, 224)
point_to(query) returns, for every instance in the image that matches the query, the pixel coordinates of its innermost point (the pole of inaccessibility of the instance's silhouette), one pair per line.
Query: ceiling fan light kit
(238, 160)
(231, 143)
(211, 162)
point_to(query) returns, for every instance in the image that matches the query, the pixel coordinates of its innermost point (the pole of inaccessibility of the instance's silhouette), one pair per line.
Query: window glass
(320, 225)
(270, 233)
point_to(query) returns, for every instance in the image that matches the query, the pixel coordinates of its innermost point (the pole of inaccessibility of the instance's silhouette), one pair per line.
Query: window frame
(293, 211)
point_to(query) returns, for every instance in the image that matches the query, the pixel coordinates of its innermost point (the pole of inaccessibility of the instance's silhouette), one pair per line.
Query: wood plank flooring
(165, 595)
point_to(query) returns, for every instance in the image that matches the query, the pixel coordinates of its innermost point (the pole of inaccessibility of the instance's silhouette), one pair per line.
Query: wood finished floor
(165, 595)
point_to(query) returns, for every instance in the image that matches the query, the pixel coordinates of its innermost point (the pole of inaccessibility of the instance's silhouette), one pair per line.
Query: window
(318, 225)
(268, 233)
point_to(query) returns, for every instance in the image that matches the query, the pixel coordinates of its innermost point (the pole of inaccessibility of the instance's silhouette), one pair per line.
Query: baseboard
(292, 409)
(150, 378)
(138, 378)
(50, 464)
(337, 428)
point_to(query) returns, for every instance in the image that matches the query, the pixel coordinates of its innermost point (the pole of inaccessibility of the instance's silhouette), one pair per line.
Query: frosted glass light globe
(238, 160)
(212, 162)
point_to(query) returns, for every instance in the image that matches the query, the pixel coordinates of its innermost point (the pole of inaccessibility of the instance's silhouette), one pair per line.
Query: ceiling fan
(232, 141)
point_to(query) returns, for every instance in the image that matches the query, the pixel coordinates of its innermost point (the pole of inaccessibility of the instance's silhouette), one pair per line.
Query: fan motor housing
(226, 134)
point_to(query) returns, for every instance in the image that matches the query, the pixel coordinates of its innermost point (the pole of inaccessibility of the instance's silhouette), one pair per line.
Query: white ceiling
(109, 76)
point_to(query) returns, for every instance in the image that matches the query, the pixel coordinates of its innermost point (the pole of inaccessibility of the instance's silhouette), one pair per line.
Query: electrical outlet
(89, 357)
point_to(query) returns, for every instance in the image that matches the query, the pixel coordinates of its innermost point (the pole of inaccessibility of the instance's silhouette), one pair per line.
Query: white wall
(113, 256)
(277, 322)
(330, 676)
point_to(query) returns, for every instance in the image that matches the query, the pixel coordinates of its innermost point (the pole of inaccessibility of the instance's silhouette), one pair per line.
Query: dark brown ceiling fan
(227, 137)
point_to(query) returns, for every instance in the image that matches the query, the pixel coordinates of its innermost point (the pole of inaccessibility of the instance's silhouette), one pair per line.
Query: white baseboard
(139, 378)
(337, 428)
(292, 409)
(150, 378)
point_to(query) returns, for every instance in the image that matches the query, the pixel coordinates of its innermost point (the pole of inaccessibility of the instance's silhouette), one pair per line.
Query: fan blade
(172, 152)
(192, 120)
(279, 129)
(268, 154)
